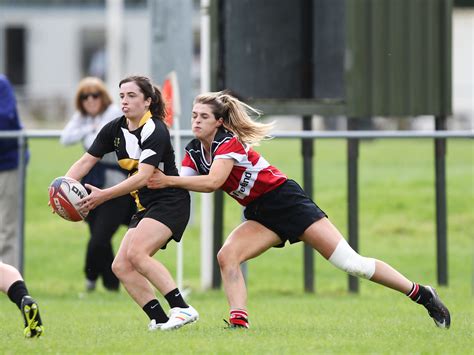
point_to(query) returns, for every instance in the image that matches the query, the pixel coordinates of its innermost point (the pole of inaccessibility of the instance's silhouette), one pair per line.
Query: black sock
(154, 311)
(17, 291)
(419, 294)
(175, 299)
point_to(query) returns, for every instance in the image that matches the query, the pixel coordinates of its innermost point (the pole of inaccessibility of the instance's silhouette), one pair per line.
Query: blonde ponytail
(237, 116)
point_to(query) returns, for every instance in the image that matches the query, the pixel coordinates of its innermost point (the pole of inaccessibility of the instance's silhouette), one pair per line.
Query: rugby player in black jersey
(142, 143)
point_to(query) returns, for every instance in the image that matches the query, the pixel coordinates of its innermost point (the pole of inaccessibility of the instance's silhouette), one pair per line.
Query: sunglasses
(94, 95)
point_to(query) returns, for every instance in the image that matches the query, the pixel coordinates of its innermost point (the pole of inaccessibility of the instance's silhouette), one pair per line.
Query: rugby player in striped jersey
(277, 209)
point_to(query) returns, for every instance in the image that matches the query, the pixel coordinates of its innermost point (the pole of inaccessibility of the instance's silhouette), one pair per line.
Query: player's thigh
(323, 236)
(149, 236)
(121, 258)
(249, 240)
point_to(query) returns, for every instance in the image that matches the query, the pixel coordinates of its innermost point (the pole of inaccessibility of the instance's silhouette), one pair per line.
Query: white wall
(463, 65)
(53, 45)
(53, 52)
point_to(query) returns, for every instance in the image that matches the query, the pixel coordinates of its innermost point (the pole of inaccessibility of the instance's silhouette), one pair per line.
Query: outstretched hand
(157, 180)
(52, 209)
(95, 198)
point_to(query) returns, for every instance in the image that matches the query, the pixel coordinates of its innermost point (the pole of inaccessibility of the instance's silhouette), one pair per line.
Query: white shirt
(84, 128)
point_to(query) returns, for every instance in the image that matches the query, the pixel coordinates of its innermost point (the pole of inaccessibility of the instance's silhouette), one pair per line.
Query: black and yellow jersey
(150, 144)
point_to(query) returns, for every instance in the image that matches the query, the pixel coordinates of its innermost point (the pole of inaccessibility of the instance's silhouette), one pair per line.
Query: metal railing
(23, 135)
(283, 134)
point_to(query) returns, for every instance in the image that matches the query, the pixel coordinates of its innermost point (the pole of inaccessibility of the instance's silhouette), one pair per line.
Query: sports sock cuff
(414, 291)
(17, 291)
(175, 299)
(238, 313)
(239, 317)
(154, 311)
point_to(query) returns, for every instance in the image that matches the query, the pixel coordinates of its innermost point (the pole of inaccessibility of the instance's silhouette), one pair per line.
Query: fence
(22, 137)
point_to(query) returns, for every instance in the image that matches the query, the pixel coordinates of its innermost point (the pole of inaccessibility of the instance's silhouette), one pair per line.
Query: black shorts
(172, 210)
(287, 211)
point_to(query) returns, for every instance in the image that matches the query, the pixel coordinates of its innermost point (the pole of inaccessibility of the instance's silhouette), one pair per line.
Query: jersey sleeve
(104, 142)
(188, 167)
(154, 139)
(231, 149)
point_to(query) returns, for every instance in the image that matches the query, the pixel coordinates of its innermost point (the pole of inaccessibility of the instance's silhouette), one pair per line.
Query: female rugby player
(142, 143)
(276, 208)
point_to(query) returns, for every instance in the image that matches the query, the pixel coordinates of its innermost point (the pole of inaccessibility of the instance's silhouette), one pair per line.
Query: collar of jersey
(145, 118)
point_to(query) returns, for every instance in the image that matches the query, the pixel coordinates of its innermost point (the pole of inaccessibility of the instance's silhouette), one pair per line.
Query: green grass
(397, 225)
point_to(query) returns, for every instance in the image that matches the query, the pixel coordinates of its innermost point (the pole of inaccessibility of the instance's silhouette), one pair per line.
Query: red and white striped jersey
(251, 176)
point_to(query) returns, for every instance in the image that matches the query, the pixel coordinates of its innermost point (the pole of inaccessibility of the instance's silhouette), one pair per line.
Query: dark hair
(157, 105)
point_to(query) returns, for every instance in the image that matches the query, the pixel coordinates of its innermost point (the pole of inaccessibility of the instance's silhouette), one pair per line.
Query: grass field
(397, 214)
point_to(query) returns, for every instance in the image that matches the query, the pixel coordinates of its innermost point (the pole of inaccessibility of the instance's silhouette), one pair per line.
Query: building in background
(47, 46)
(463, 63)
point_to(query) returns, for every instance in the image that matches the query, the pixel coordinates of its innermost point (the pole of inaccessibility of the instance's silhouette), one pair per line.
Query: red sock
(239, 318)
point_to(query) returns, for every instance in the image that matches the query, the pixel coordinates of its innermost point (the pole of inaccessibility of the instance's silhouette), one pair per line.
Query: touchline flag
(170, 92)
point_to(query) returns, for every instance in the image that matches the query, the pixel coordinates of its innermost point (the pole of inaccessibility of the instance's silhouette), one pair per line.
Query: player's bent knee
(227, 258)
(222, 257)
(136, 259)
(119, 268)
(345, 258)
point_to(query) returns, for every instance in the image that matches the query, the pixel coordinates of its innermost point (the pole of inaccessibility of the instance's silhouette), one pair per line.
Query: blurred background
(47, 46)
(309, 65)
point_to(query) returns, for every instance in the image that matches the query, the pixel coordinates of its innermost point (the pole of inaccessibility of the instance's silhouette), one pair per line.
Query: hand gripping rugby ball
(65, 195)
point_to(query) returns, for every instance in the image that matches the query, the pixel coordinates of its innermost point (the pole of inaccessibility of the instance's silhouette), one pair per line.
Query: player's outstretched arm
(220, 171)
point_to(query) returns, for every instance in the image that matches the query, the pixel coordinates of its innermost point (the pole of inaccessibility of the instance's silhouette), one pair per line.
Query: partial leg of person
(9, 243)
(137, 285)
(124, 209)
(104, 223)
(328, 241)
(247, 241)
(13, 285)
(150, 236)
(90, 269)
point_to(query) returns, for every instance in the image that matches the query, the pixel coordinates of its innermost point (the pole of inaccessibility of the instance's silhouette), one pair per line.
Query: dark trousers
(103, 223)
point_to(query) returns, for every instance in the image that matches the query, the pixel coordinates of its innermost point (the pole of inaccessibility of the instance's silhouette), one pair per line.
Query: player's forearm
(130, 184)
(204, 183)
(81, 167)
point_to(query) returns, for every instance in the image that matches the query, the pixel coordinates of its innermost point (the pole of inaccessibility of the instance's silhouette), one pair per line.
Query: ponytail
(157, 105)
(237, 116)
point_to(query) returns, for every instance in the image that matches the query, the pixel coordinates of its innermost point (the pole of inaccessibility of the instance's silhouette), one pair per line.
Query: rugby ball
(65, 195)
